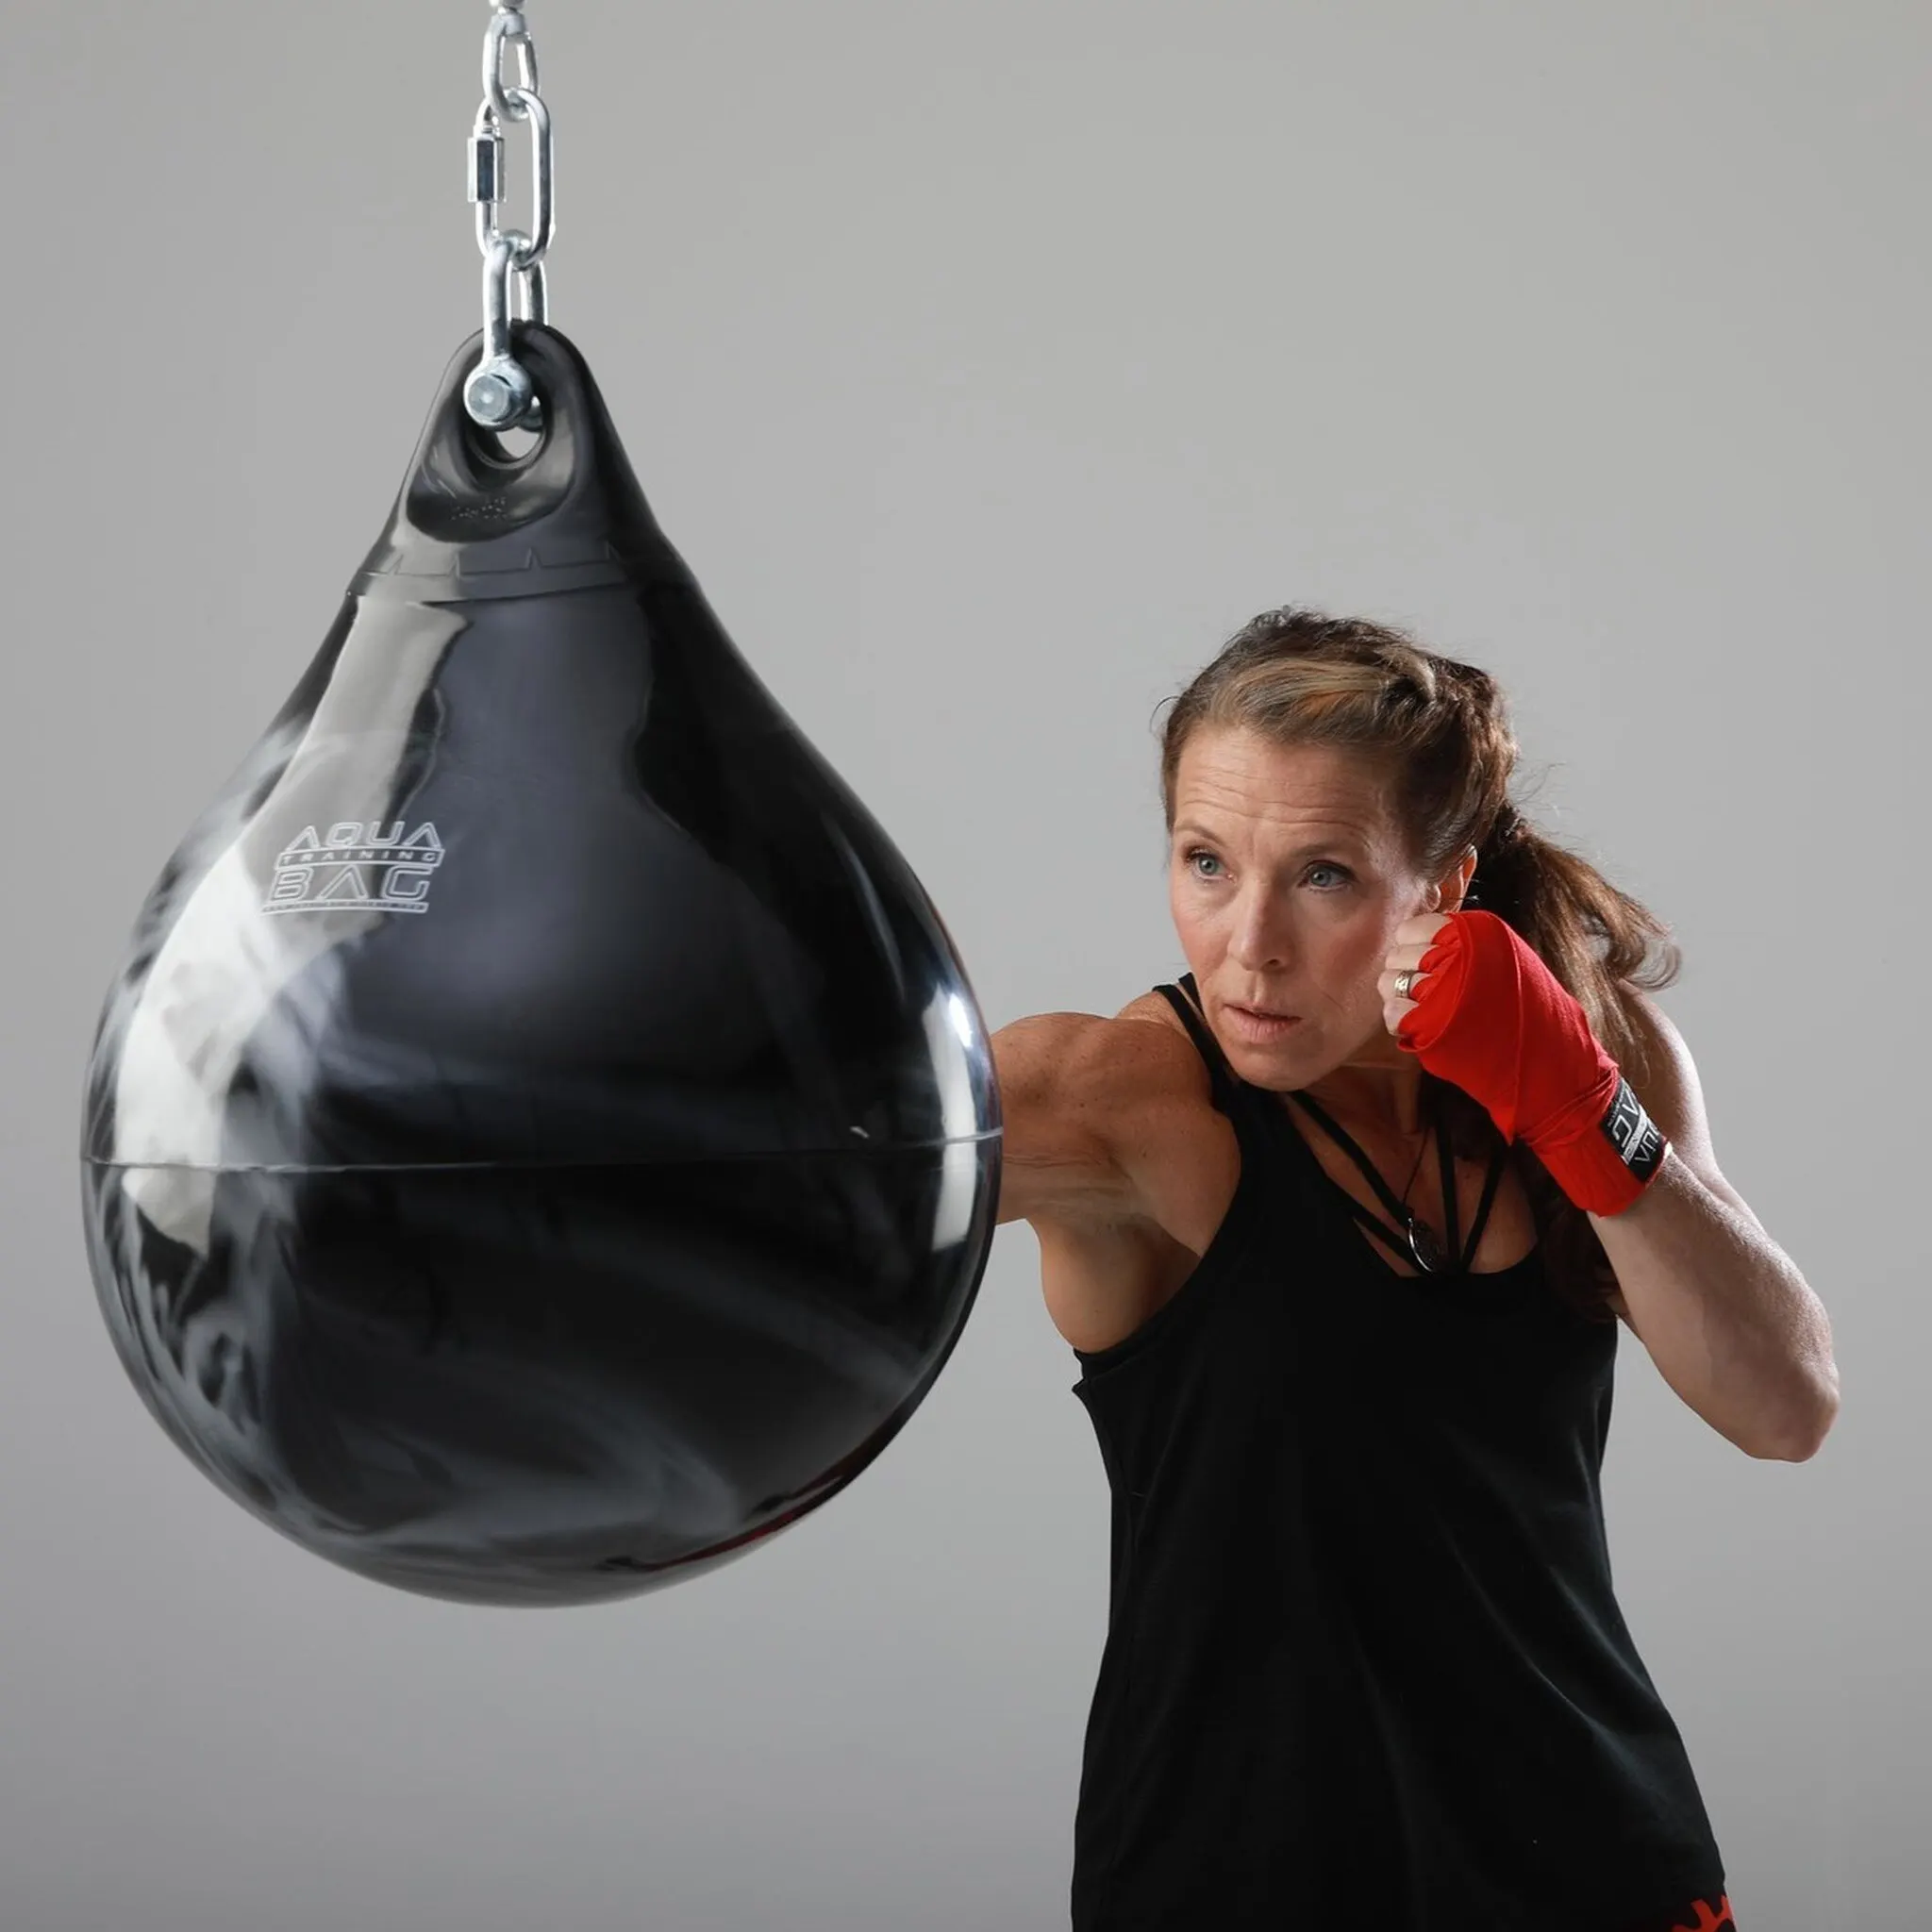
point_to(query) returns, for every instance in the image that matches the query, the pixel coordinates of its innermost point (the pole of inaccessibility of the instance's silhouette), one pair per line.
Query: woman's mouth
(1260, 1026)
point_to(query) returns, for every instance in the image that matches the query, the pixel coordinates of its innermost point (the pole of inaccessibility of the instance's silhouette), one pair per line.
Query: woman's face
(1287, 883)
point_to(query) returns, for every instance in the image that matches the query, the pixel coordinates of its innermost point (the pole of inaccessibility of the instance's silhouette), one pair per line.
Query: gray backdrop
(991, 364)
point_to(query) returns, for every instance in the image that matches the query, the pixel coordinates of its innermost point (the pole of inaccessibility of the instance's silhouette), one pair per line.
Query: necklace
(1416, 1234)
(1422, 1238)
(1417, 1167)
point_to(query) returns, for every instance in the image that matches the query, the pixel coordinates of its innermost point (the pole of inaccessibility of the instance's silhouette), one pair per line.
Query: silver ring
(1404, 980)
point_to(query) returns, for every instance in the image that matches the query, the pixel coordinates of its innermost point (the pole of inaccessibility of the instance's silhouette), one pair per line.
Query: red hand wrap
(1493, 1018)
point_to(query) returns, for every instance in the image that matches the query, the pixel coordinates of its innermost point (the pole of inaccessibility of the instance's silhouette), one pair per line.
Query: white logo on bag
(358, 866)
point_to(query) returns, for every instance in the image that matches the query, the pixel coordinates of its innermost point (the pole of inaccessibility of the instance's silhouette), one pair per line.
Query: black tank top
(1364, 1666)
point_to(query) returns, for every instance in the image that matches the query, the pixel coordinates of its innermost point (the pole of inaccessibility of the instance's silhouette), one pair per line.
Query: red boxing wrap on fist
(1493, 1018)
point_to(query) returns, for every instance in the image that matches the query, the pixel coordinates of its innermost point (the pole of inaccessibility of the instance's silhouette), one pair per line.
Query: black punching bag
(542, 1140)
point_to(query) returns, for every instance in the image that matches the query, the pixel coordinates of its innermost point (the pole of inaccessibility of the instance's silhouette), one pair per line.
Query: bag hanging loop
(499, 393)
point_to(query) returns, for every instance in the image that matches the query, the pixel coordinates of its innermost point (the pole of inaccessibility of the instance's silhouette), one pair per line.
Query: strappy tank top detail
(1416, 1241)
(1222, 1080)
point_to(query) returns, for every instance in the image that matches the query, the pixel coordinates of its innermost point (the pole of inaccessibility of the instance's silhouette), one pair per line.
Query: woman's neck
(1387, 1101)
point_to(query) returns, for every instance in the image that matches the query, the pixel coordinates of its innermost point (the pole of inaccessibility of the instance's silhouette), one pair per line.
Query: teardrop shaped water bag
(542, 1140)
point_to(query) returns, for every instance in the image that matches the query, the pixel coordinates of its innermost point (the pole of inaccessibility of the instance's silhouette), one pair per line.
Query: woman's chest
(1102, 1282)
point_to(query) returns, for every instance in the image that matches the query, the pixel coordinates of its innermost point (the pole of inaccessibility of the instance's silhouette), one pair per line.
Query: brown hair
(1439, 733)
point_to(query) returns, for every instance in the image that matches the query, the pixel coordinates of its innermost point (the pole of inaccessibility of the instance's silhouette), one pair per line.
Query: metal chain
(499, 393)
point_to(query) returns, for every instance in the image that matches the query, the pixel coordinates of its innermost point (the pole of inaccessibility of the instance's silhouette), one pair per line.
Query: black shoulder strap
(1224, 1082)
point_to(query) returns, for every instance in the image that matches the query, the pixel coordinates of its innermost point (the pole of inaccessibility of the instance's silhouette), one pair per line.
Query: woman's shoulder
(1089, 1106)
(1153, 1005)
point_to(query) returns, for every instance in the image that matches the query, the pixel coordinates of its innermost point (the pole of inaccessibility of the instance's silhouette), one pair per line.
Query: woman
(1364, 1665)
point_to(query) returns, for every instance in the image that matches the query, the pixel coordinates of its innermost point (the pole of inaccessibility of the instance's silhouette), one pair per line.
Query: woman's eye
(1341, 871)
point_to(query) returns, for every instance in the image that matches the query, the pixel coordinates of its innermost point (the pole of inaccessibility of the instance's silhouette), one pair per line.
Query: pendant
(1424, 1245)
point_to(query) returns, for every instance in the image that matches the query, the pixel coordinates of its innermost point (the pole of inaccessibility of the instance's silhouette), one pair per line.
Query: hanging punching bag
(542, 1140)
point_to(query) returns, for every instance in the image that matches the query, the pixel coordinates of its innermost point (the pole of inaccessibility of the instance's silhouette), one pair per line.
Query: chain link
(499, 393)
(507, 26)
